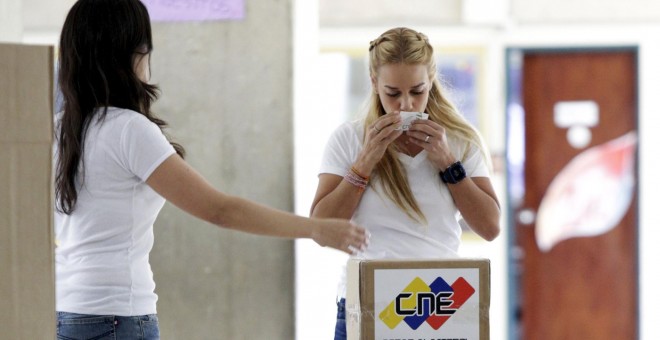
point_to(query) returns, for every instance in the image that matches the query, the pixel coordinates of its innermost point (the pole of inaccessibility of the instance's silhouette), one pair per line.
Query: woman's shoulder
(350, 130)
(124, 118)
(123, 115)
(119, 122)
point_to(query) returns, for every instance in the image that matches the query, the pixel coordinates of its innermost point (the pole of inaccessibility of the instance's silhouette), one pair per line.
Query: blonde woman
(407, 187)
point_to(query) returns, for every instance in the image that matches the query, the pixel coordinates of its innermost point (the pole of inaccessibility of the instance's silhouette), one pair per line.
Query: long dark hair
(99, 43)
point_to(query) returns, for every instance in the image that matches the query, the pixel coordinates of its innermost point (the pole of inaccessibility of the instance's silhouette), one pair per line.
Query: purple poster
(195, 10)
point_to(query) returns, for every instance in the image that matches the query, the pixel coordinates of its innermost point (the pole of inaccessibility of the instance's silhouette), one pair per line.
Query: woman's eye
(392, 94)
(417, 93)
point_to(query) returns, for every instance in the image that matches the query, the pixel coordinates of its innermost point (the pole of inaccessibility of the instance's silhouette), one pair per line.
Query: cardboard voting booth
(27, 284)
(418, 299)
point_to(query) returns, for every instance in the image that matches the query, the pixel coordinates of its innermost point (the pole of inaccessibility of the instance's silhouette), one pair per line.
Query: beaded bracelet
(366, 178)
(356, 179)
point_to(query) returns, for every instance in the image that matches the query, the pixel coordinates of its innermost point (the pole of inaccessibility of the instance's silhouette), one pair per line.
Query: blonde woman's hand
(377, 138)
(433, 138)
(340, 234)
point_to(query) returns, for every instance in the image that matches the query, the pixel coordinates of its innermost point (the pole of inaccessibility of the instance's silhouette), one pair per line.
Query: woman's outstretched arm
(184, 187)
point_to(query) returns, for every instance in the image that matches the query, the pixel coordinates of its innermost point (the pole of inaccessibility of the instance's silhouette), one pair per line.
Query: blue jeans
(71, 326)
(340, 327)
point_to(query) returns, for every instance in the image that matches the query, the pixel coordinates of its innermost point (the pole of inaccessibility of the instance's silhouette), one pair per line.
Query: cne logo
(433, 304)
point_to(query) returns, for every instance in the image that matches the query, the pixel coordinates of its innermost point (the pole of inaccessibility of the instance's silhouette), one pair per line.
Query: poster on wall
(197, 10)
(460, 75)
(459, 68)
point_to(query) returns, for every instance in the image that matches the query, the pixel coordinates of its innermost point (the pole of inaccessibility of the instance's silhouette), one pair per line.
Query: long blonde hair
(405, 46)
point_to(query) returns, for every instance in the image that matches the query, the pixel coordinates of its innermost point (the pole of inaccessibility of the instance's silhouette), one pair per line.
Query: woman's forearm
(180, 184)
(339, 203)
(251, 217)
(247, 216)
(477, 203)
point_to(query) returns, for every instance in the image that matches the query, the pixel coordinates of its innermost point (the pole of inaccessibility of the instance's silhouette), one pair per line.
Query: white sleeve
(474, 163)
(340, 151)
(143, 147)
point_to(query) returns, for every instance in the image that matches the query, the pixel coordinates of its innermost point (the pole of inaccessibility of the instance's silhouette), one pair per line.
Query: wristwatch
(453, 174)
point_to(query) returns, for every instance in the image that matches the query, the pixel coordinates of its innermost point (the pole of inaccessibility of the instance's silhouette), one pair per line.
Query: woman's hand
(432, 138)
(340, 234)
(184, 187)
(474, 197)
(377, 138)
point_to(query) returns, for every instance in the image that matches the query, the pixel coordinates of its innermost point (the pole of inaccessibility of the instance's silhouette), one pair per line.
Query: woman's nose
(406, 103)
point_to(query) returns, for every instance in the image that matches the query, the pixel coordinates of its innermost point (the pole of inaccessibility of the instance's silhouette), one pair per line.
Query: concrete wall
(227, 93)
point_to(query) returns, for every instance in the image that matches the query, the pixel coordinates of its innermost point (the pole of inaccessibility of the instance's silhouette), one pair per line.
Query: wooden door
(582, 282)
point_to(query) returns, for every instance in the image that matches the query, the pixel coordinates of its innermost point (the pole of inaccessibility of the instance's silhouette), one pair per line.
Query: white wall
(342, 13)
(11, 24)
(585, 11)
(32, 21)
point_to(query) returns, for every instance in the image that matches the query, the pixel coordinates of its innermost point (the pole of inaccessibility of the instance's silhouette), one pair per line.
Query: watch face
(455, 173)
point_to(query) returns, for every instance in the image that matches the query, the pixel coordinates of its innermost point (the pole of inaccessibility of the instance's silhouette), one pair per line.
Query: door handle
(526, 217)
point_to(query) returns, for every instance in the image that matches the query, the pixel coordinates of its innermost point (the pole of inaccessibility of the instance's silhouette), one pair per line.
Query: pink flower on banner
(590, 196)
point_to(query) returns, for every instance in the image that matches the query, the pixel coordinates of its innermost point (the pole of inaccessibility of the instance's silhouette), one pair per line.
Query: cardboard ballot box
(418, 299)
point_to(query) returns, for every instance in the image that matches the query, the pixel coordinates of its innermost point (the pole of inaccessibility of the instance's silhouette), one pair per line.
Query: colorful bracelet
(366, 178)
(356, 180)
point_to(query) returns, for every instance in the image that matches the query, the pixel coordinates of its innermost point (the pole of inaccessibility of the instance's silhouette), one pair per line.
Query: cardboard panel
(27, 285)
(26, 93)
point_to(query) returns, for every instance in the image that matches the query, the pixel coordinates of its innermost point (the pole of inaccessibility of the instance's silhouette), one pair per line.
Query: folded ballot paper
(408, 117)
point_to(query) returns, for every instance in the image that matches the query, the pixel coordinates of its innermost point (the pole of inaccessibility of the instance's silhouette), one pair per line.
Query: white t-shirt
(393, 233)
(102, 256)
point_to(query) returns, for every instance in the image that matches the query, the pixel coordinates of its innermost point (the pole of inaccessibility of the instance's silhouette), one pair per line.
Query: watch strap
(453, 174)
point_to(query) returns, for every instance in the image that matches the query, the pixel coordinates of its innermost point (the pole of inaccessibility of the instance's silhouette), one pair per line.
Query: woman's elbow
(313, 210)
(491, 234)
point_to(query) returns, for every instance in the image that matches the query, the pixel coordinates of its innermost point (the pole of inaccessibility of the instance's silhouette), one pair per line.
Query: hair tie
(421, 36)
(376, 42)
(372, 44)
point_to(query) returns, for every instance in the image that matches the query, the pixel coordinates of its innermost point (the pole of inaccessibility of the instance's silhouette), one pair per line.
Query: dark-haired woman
(114, 171)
